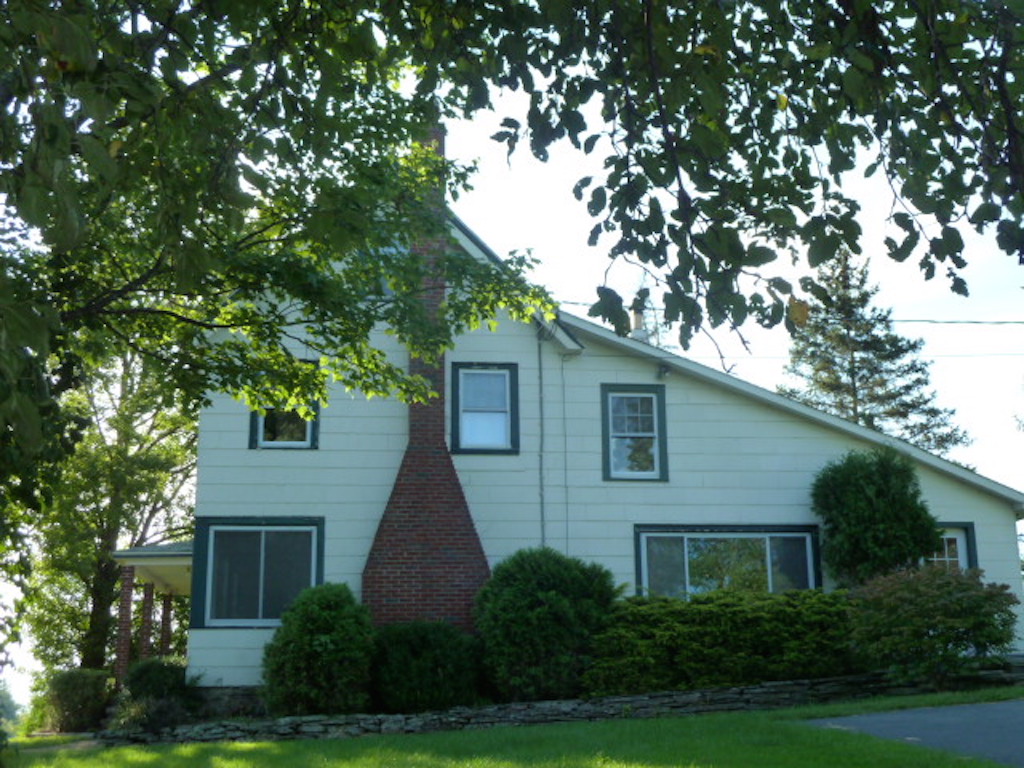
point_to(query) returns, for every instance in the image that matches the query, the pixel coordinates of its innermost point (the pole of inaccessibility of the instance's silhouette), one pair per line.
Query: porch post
(146, 633)
(166, 613)
(123, 647)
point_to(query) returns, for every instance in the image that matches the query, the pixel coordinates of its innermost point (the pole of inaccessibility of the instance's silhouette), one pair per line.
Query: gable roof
(568, 330)
(580, 330)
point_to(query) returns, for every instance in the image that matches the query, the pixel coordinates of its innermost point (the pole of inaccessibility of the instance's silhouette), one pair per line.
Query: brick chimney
(426, 562)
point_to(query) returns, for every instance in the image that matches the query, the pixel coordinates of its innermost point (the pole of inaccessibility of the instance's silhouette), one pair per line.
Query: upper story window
(255, 569)
(633, 432)
(485, 408)
(958, 550)
(681, 561)
(279, 428)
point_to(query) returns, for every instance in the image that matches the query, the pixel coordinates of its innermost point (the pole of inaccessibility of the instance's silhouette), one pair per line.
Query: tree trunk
(102, 595)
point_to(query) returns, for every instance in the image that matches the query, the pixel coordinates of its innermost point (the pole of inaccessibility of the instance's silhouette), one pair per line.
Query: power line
(926, 321)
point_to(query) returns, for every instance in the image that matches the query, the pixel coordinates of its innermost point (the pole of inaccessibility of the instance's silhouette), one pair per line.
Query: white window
(633, 429)
(681, 563)
(484, 409)
(953, 554)
(279, 428)
(253, 573)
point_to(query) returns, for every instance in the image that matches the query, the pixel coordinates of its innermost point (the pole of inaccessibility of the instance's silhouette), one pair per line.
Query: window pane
(484, 430)
(285, 427)
(727, 563)
(632, 454)
(633, 414)
(484, 390)
(789, 563)
(288, 559)
(666, 566)
(236, 569)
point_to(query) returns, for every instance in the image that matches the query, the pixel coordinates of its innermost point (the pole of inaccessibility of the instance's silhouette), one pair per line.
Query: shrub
(423, 665)
(157, 695)
(874, 518)
(722, 638)
(537, 616)
(158, 678)
(319, 658)
(932, 623)
(77, 699)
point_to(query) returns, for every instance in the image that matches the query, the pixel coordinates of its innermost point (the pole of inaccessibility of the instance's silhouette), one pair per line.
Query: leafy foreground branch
(229, 187)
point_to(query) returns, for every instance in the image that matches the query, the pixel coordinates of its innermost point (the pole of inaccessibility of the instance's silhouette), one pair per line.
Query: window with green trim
(254, 572)
(687, 561)
(485, 408)
(633, 432)
(280, 428)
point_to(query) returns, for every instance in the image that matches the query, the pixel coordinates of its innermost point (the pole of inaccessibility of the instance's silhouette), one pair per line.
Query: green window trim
(810, 576)
(257, 423)
(206, 529)
(503, 413)
(633, 419)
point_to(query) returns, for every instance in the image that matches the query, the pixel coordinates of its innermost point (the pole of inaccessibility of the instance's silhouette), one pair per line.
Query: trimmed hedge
(537, 617)
(318, 661)
(722, 638)
(421, 666)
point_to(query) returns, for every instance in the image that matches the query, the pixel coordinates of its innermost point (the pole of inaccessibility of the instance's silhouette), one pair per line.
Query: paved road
(994, 731)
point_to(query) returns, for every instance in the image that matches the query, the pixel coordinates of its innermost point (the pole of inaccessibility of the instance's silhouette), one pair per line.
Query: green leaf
(986, 213)
(98, 157)
(759, 255)
(582, 184)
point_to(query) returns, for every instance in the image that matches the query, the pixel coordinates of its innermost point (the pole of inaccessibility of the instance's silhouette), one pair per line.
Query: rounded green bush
(318, 661)
(78, 699)
(537, 617)
(421, 666)
(158, 694)
(157, 678)
(932, 623)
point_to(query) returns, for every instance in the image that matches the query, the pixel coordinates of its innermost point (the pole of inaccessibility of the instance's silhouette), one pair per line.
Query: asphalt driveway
(994, 731)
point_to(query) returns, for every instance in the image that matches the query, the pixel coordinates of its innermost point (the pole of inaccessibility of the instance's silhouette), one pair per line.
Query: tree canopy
(129, 483)
(851, 363)
(206, 182)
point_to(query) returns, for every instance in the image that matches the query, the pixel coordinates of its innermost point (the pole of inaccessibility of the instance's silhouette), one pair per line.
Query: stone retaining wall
(771, 695)
(764, 696)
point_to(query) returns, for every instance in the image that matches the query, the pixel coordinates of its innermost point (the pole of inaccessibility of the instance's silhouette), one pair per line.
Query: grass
(728, 740)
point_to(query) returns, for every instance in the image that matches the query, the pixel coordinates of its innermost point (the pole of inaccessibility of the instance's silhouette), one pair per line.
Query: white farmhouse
(556, 434)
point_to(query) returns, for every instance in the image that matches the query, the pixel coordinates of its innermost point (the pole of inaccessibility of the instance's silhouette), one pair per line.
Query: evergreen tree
(854, 365)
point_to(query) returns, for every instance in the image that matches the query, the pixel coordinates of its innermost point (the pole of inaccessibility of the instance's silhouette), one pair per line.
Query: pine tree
(854, 365)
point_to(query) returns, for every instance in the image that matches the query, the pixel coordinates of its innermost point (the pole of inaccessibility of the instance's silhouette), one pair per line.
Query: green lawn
(722, 741)
(733, 740)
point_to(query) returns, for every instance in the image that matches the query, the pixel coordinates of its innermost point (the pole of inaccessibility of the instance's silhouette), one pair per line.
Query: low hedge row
(722, 638)
(550, 626)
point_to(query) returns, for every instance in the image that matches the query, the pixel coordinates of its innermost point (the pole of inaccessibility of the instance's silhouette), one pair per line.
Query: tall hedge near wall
(722, 638)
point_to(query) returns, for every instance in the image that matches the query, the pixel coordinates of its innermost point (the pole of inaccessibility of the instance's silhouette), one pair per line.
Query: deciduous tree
(851, 363)
(127, 484)
(204, 180)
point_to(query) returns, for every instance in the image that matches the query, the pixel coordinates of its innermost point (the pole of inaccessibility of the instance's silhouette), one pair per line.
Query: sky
(975, 344)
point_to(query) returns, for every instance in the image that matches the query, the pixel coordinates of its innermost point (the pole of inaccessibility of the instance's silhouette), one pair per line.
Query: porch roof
(167, 566)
